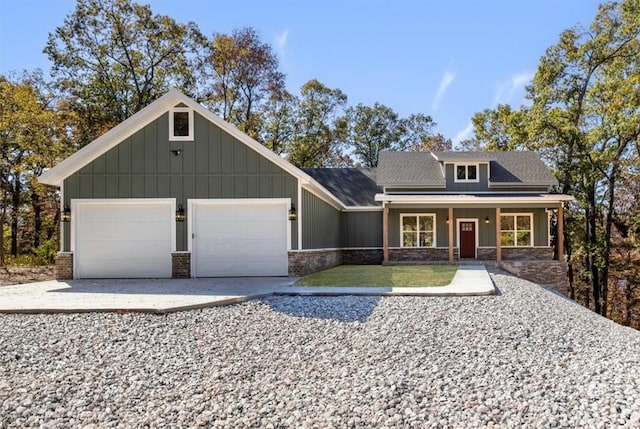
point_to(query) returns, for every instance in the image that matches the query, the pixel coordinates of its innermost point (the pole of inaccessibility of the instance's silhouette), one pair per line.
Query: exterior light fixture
(176, 152)
(180, 216)
(447, 220)
(486, 219)
(66, 214)
(293, 214)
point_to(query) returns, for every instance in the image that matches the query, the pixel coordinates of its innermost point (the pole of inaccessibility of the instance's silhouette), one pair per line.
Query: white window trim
(530, 215)
(403, 215)
(173, 137)
(466, 165)
(476, 229)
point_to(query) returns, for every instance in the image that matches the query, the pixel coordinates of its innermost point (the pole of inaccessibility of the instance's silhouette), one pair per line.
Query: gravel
(523, 358)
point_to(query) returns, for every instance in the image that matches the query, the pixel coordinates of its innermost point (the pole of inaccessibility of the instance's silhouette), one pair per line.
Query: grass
(382, 276)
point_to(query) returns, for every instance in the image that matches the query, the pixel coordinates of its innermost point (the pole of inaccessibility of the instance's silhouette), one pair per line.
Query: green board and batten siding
(214, 165)
(362, 229)
(320, 223)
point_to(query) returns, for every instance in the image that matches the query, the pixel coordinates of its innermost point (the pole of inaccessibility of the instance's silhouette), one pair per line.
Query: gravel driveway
(524, 358)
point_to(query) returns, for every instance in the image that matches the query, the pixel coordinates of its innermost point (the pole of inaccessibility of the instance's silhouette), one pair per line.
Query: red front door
(467, 240)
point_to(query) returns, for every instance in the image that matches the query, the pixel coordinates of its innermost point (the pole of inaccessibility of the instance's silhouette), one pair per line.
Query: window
(181, 124)
(418, 230)
(516, 230)
(466, 173)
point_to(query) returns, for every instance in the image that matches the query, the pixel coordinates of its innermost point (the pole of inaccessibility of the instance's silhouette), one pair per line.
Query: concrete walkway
(166, 295)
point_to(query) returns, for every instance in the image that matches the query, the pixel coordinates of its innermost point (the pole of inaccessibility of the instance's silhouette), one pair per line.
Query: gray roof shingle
(352, 186)
(409, 168)
(424, 168)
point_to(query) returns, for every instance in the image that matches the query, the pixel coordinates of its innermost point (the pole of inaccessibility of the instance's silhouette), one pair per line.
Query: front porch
(448, 228)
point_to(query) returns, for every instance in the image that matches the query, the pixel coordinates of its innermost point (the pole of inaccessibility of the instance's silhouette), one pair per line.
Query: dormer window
(181, 124)
(466, 173)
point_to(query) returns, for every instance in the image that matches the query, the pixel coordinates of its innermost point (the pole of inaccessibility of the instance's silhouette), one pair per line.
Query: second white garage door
(237, 238)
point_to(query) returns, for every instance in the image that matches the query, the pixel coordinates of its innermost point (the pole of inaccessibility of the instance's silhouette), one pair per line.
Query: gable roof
(56, 175)
(409, 169)
(425, 168)
(355, 187)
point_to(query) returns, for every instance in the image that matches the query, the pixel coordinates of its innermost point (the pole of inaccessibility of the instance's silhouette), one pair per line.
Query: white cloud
(512, 89)
(463, 134)
(446, 80)
(281, 42)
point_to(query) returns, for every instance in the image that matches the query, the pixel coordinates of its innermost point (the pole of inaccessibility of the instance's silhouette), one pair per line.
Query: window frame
(515, 230)
(417, 217)
(172, 112)
(466, 166)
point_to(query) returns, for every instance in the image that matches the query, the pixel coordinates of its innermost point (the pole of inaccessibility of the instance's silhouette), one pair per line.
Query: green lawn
(385, 276)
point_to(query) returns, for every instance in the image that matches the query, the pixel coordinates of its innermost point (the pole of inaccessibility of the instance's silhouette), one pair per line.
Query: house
(174, 191)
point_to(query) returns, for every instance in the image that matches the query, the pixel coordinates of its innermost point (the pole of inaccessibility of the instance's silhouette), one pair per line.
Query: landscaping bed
(12, 275)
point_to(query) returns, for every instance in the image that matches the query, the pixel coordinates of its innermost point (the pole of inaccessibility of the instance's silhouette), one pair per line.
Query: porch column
(560, 237)
(498, 243)
(450, 226)
(385, 234)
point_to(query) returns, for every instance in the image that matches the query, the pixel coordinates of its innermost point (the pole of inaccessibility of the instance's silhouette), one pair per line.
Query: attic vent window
(466, 173)
(181, 124)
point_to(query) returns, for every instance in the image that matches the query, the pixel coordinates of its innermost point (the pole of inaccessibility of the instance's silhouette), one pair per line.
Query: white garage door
(118, 239)
(239, 238)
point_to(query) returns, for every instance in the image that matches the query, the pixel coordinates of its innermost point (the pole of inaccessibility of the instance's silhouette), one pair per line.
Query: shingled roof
(426, 168)
(352, 186)
(409, 168)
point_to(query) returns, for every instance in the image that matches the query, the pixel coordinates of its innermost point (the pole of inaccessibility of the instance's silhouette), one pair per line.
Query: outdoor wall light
(447, 220)
(176, 152)
(66, 214)
(180, 216)
(293, 214)
(486, 219)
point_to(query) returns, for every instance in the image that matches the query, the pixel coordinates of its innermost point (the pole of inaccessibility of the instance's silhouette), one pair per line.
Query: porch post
(560, 237)
(498, 243)
(385, 233)
(450, 226)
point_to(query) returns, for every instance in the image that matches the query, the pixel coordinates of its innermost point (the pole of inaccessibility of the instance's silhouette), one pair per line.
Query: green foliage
(114, 57)
(241, 74)
(585, 121)
(47, 251)
(319, 127)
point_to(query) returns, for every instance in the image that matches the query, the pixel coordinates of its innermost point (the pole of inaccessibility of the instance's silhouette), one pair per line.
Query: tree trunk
(37, 218)
(15, 209)
(604, 278)
(592, 246)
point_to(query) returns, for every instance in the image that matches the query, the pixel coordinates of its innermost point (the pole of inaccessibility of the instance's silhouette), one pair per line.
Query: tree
(278, 124)
(416, 133)
(501, 129)
(371, 130)
(586, 111)
(436, 142)
(30, 131)
(114, 57)
(319, 127)
(241, 74)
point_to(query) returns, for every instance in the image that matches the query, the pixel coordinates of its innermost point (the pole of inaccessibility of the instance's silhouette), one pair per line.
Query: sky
(446, 59)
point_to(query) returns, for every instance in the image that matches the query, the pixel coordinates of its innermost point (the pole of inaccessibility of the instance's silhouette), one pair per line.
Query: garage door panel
(240, 239)
(124, 240)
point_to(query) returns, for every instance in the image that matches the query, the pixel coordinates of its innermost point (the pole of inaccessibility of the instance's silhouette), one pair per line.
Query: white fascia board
(362, 209)
(56, 175)
(472, 199)
(321, 192)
